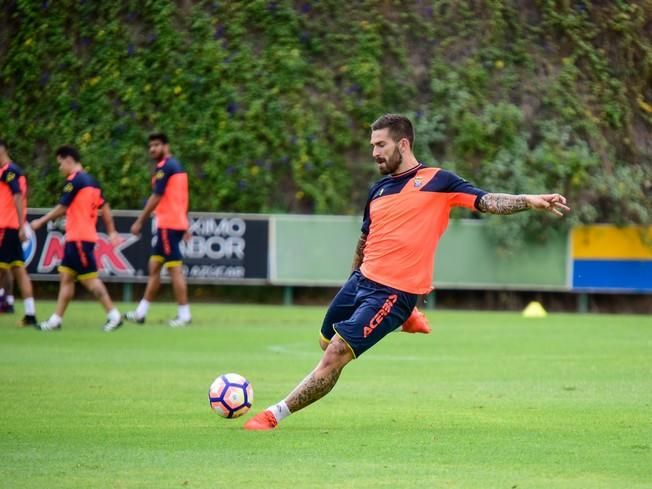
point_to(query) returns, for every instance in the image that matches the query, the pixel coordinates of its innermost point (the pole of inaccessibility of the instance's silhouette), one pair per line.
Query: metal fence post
(127, 292)
(288, 295)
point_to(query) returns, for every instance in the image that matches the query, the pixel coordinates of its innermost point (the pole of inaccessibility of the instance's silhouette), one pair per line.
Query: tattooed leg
(322, 379)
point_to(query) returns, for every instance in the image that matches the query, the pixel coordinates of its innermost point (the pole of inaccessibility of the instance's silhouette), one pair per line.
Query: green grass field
(489, 400)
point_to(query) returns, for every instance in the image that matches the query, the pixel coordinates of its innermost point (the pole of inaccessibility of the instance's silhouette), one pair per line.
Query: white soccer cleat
(132, 317)
(179, 323)
(112, 324)
(48, 326)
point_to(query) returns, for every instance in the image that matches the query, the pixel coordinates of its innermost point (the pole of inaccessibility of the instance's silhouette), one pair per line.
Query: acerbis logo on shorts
(380, 315)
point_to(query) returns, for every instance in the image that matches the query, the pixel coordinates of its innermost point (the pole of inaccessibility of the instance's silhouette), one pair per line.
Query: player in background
(80, 202)
(13, 211)
(406, 213)
(169, 203)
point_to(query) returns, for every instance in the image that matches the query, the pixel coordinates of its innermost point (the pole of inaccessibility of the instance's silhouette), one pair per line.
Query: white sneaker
(48, 326)
(179, 323)
(112, 324)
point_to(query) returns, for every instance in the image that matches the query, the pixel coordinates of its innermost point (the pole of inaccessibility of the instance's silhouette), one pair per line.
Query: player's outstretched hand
(135, 228)
(553, 203)
(115, 238)
(36, 224)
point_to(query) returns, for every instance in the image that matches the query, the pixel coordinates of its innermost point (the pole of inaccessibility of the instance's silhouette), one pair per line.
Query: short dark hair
(3, 143)
(158, 136)
(68, 151)
(399, 127)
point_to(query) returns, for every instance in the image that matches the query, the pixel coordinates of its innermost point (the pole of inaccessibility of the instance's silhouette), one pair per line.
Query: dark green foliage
(268, 103)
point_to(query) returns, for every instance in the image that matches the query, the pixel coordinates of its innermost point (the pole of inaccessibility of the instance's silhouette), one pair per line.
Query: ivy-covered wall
(268, 103)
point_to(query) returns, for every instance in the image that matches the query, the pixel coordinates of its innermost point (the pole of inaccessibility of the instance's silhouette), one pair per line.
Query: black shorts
(79, 260)
(11, 250)
(363, 312)
(166, 247)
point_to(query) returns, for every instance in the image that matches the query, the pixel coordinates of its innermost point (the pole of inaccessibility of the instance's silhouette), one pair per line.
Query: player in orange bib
(169, 203)
(13, 212)
(406, 214)
(80, 202)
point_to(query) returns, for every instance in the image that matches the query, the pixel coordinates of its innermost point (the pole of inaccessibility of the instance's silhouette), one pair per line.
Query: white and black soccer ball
(230, 395)
(58, 224)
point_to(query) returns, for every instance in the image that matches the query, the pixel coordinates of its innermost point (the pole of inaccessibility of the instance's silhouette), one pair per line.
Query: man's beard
(392, 164)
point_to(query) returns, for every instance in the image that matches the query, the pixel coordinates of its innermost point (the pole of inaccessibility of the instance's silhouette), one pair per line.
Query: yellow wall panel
(611, 242)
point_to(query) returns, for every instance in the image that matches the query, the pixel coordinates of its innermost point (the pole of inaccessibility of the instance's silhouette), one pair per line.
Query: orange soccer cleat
(416, 323)
(261, 422)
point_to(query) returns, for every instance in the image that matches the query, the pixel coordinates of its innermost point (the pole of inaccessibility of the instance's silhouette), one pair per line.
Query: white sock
(55, 320)
(114, 315)
(143, 307)
(30, 309)
(183, 312)
(10, 300)
(279, 410)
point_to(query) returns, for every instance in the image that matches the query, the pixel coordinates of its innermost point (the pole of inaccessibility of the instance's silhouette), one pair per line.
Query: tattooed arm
(359, 252)
(509, 204)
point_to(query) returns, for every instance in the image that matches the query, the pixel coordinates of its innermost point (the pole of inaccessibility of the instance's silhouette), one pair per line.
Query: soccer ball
(58, 224)
(230, 395)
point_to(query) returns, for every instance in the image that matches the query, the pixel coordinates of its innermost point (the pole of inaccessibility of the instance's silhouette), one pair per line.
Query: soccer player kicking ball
(13, 211)
(406, 213)
(80, 201)
(169, 201)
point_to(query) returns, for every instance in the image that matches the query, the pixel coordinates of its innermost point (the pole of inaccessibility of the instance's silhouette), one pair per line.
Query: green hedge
(268, 103)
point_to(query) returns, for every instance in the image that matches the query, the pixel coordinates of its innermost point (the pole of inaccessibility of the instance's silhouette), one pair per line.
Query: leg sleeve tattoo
(320, 381)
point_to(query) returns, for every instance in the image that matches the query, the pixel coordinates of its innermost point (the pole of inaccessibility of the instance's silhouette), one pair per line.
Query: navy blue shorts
(166, 247)
(364, 311)
(79, 260)
(11, 250)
